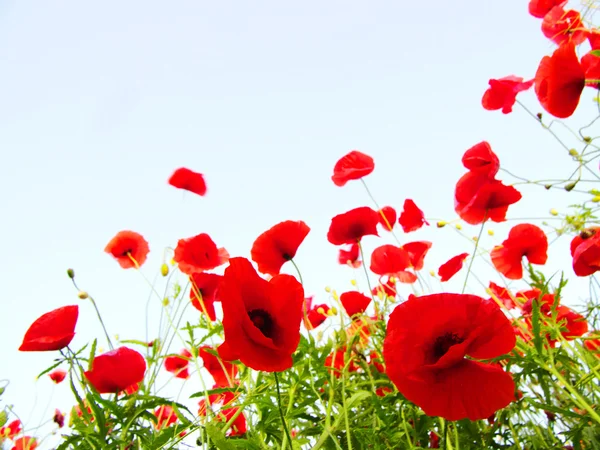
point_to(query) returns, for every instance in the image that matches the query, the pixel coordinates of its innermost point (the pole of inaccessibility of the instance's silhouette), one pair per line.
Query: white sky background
(99, 103)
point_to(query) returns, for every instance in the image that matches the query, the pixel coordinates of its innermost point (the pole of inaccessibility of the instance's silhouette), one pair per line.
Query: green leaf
(92, 353)
(218, 438)
(216, 391)
(595, 53)
(3, 418)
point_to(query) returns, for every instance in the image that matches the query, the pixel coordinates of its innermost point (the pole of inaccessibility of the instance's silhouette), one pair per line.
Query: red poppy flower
(165, 417)
(389, 259)
(539, 8)
(478, 198)
(51, 331)
(546, 301)
(481, 159)
(573, 323)
(57, 375)
(424, 350)
(585, 250)
(314, 315)
(387, 289)
(524, 240)
(383, 391)
(339, 360)
(354, 302)
(592, 344)
(416, 252)
(179, 365)
(275, 247)
(559, 81)
(11, 430)
(58, 418)
(562, 26)
(222, 405)
(503, 295)
(502, 93)
(129, 248)
(116, 371)
(351, 227)
(411, 218)
(350, 256)
(199, 253)
(203, 294)
(224, 373)
(25, 443)
(376, 360)
(452, 266)
(188, 180)
(359, 330)
(353, 166)
(261, 319)
(387, 217)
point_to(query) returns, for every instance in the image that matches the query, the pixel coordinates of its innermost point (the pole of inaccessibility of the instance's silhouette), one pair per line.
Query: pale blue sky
(100, 102)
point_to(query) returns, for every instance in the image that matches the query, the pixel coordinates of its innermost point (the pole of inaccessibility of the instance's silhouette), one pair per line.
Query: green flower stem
(298, 271)
(110, 344)
(474, 253)
(279, 406)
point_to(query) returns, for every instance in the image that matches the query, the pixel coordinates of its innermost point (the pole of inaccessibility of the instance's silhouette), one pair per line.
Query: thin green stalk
(279, 406)
(474, 253)
(298, 271)
(110, 344)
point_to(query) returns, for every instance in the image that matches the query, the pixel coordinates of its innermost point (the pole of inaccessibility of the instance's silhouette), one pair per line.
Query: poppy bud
(596, 199)
(458, 226)
(333, 311)
(393, 280)
(490, 232)
(539, 116)
(432, 273)
(548, 187)
(327, 289)
(335, 295)
(475, 239)
(164, 270)
(165, 301)
(353, 282)
(71, 273)
(569, 187)
(321, 311)
(441, 224)
(587, 139)
(82, 295)
(573, 152)
(554, 212)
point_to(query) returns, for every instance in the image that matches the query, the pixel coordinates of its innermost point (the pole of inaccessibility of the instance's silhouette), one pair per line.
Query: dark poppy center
(127, 252)
(443, 343)
(262, 320)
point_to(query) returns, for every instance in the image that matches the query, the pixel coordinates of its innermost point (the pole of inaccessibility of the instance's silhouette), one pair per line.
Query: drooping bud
(554, 212)
(441, 224)
(71, 273)
(490, 232)
(569, 187)
(458, 226)
(82, 295)
(164, 270)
